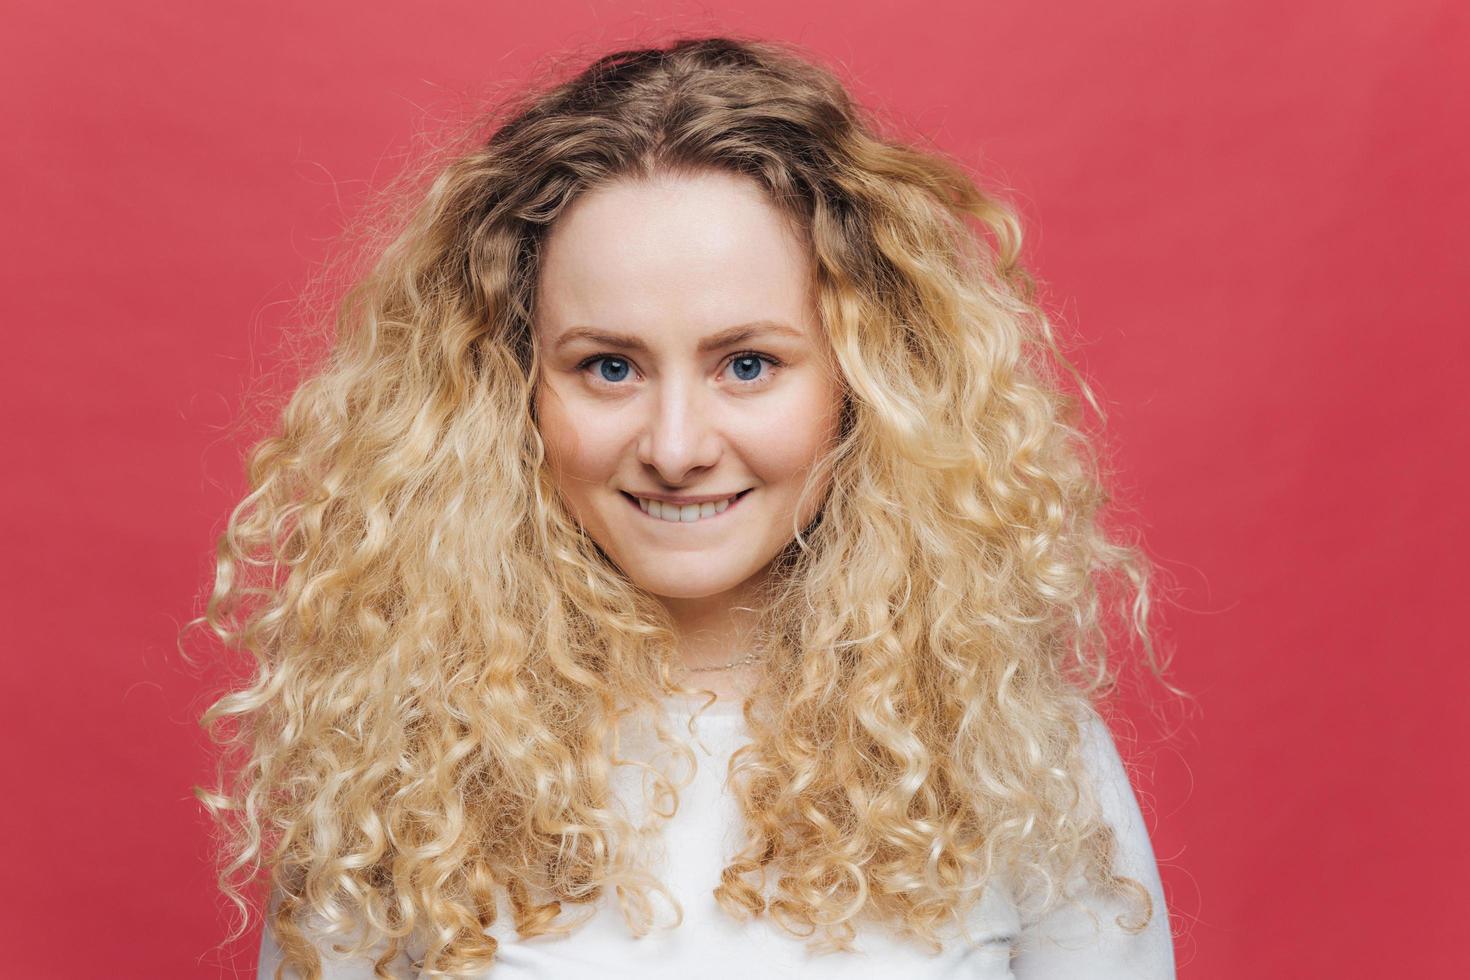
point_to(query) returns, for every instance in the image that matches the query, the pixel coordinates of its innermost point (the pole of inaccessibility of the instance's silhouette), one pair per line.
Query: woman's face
(681, 357)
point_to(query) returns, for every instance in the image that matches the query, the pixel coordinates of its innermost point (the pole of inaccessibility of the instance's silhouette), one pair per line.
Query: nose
(680, 437)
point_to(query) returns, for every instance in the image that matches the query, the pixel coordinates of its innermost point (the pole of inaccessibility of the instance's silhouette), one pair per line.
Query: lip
(633, 502)
(680, 501)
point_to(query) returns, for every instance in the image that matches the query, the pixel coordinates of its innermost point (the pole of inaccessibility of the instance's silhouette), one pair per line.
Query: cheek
(808, 428)
(574, 445)
(558, 431)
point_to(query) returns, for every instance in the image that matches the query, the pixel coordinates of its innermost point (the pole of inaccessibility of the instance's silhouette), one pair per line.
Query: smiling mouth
(688, 514)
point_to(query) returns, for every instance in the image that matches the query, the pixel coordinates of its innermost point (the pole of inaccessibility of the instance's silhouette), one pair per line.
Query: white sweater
(1066, 944)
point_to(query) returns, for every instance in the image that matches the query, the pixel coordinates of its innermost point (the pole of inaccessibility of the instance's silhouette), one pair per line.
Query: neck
(714, 631)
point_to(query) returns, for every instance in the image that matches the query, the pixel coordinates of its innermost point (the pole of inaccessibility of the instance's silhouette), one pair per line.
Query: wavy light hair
(443, 657)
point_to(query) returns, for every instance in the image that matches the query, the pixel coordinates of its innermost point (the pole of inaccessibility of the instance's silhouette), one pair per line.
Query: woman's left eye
(747, 367)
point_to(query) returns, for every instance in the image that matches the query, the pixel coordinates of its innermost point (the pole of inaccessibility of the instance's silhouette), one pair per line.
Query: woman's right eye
(607, 375)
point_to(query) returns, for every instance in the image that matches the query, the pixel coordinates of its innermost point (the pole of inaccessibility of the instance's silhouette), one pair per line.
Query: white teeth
(682, 514)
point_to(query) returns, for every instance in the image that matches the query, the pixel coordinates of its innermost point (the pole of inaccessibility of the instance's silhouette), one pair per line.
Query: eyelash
(762, 380)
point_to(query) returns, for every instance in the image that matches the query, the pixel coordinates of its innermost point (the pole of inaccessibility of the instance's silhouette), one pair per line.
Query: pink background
(1251, 215)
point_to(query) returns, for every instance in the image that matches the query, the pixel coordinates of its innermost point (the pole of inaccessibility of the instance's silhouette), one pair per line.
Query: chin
(674, 587)
(691, 579)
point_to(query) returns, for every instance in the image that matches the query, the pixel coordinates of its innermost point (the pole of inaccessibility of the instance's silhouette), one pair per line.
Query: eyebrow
(737, 334)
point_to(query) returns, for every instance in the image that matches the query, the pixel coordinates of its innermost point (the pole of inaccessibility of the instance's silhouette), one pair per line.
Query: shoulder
(1085, 939)
(333, 965)
(1108, 775)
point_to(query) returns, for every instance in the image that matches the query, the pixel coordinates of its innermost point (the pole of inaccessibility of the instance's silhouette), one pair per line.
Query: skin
(670, 262)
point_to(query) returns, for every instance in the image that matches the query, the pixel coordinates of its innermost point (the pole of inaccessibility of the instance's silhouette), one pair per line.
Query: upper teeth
(683, 513)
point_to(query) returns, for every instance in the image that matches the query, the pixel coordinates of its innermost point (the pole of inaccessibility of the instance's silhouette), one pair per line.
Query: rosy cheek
(558, 431)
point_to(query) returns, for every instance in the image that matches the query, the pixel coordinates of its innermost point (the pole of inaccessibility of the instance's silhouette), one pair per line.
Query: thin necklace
(752, 658)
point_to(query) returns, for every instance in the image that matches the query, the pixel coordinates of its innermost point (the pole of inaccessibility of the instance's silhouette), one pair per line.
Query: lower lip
(633, 501)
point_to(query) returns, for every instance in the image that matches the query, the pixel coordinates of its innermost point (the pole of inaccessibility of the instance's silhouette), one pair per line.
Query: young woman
(686, 563)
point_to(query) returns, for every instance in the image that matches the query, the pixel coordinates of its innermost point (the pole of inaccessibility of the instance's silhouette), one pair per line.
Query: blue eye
(749, 362)
(613, 371)
(618, 373)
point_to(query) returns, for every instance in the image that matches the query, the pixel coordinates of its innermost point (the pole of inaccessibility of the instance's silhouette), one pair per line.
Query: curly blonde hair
(443, 657)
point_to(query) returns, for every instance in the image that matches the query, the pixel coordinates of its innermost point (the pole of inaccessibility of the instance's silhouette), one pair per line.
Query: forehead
(678, 252)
